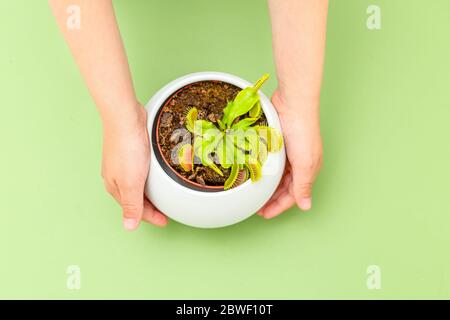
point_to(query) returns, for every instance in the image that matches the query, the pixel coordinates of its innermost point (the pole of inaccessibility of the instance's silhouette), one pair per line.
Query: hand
(126, 160)
(303, 142)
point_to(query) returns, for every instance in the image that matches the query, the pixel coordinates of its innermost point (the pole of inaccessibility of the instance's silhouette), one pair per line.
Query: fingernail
(130, 224)
(305, 204)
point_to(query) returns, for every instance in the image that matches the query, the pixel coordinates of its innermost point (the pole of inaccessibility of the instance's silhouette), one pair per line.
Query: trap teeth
(241, 178)
(186, 110)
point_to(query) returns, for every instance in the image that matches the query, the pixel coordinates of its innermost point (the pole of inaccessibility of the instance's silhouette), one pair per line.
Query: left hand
(303, 143)
(125, 166)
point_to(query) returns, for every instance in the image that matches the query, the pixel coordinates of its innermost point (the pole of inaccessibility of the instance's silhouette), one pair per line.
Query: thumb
(132, 202)
(303, 190)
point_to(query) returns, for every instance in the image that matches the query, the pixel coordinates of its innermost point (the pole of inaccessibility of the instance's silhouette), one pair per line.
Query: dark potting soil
(210, 98)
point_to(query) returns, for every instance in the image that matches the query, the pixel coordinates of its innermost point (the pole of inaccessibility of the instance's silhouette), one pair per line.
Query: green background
(383, 196)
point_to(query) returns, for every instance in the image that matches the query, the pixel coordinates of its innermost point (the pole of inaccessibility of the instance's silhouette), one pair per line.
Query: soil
(210, 98)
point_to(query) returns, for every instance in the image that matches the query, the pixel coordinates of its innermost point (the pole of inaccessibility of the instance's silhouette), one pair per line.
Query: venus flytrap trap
(235, 143)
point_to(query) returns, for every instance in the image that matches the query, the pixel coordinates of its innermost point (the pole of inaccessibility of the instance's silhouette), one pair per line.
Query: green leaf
(216, 169)
(254, 170)
(203, 126)
(198, 142)
(261, 81)
(191, 117)
(221, 125)
(226, 114)
(237, 177)
(204, 148)
(262, 152)
(256, 111)
(272, 136)
(239, 156)
(237, 138)
(241, 178)
(212, 134)
(275, 143)
(207, 148)
(232, 178)
(244, 101)
(252, 140)
(225, 151)
(244, 139)
(244, 123)
(201, 148)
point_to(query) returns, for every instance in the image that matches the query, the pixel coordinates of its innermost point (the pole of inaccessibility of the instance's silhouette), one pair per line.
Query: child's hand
(304, 154)
(126, 158)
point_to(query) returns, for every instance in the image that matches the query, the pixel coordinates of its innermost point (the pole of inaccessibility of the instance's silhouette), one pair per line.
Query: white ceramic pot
(205, 209)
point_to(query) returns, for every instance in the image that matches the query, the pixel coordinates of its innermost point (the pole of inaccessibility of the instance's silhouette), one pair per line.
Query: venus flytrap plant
(236, 143)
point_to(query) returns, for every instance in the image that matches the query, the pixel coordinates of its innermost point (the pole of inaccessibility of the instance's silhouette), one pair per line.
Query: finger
(287, 178)
(153, 216)
(284, 202)
(112, 189)
(281, 189)
(303, 183)
(283, 186)
(132, 202)
(272, 208)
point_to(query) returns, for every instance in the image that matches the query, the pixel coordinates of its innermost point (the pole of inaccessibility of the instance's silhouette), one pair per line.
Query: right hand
(125, 166)
(303, 141)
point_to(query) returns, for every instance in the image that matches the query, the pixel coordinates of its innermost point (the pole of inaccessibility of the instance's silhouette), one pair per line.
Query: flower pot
(208, 207)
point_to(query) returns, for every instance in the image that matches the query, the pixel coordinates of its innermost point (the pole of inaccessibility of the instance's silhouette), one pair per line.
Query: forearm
(99, 53)
(299, 32)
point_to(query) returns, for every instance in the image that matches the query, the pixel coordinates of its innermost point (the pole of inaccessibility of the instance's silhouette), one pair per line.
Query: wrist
(125, 118)
(299, 98)
(296, 102)
(303, 110)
